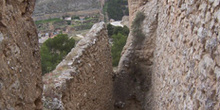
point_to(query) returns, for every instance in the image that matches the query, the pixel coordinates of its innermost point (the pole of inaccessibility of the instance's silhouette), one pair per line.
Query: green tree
(54, 50)
(116, 9)
(126, 30)
(117, 29)
(110, 29)
(119, 37)
(123, 30)
(119, 41)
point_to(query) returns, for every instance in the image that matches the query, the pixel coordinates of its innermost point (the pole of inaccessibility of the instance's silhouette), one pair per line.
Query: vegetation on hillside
(116, 9)
(50, 25)
(47, 21)
(119, 36)
(54, 50)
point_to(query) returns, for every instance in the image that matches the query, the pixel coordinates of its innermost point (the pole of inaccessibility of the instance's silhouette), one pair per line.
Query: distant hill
(45, 9)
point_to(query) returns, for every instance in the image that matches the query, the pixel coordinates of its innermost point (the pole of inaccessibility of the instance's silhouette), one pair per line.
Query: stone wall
(174, 65)
(20, 71)
(179, 53)
(83, 80)
(187, 55)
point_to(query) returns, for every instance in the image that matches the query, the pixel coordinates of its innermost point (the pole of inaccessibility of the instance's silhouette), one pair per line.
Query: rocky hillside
(46, 9)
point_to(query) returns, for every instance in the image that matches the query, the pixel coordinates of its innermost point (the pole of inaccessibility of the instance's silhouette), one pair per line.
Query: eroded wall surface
(83, 80)
(181, 52)
(186, 74)
(20, 71)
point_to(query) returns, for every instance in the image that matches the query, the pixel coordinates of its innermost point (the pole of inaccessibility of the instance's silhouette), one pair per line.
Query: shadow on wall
(133, 81)
(131, 86)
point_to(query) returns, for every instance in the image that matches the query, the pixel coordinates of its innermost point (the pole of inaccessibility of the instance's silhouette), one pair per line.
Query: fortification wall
(179, 52)
(83, 80)
(187, 54)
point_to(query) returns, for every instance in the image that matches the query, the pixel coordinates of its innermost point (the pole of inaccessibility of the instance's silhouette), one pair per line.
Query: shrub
(68, 22)
(75, 17)
(136, 27)
(54, 50)
(138, 19)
